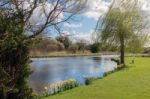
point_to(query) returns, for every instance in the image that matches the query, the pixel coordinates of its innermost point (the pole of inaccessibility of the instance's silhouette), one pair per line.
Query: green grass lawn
(130, 83)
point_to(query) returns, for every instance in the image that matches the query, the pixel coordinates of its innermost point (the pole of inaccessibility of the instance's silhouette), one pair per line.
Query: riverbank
(132, 82)
(66, 54)
(86, 53)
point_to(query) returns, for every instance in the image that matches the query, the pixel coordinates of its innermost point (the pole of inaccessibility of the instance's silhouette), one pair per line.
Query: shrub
(116, 60)
(95, 48)
(88, 80)
(107, 73)
(14, 67)
(120, 66)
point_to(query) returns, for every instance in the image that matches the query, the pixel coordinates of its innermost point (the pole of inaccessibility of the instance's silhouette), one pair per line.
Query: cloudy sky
(84, 24)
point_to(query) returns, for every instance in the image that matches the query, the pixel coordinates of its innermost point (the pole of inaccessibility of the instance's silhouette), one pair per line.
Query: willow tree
(121, 25)
(21, 21)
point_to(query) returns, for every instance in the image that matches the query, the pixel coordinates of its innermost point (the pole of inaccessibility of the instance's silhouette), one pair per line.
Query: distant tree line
(60, 43)
(65, 43)
(146, 50)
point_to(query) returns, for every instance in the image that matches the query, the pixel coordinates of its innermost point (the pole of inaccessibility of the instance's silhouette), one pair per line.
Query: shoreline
(71, 55)
(87, 54)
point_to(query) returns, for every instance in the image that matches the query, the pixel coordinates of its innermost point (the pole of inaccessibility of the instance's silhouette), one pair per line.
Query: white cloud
(69, 25)
(145, 5)
(77, 36)
(89, 36)
(95, 8)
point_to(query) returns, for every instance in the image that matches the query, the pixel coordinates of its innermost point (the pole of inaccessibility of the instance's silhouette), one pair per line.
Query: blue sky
(81, 24)
(83, 28)
(80, 27)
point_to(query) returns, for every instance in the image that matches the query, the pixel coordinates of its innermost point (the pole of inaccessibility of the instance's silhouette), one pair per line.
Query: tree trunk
(122, 51)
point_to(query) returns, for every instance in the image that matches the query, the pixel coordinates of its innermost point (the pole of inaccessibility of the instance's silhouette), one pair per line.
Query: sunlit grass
(132, 82)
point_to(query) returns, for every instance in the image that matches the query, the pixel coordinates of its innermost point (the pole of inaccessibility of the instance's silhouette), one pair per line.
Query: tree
(21, 21)
(65, 40)
(137, 44)
(123, 21)
(82, 45)
(46, 45)
(73, 48)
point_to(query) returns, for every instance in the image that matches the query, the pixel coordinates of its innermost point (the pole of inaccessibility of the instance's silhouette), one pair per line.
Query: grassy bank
(132, 82)
(67, 54)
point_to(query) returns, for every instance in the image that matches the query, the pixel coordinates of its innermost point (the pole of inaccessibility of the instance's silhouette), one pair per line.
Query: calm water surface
(51, 70)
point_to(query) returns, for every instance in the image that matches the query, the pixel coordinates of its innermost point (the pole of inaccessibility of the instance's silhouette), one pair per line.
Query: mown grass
(132, 82)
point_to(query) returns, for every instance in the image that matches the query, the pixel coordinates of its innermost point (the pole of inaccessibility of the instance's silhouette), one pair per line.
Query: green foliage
(108, 47)
(95, 48)
(14, 67)
(146, 50)
(116, 60)
(14, 59)
(88, 80)
(136, 44)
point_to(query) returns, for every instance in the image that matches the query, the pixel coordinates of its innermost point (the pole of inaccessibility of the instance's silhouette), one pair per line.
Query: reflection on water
(51, 70)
